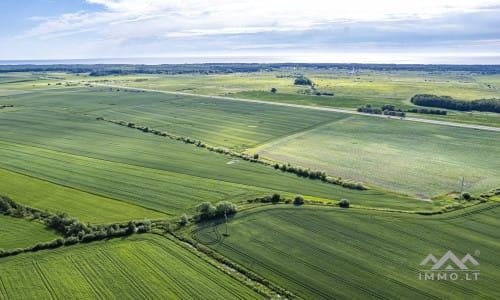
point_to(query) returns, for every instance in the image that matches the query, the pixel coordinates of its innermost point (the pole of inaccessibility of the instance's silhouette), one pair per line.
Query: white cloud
(180, 18)
(121, 28)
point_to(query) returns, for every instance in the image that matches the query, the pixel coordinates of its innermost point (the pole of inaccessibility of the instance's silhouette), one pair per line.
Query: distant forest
(214, 68)
(489, 105)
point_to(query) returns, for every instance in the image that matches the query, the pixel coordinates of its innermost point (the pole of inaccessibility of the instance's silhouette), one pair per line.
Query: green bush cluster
(387, 109)
(302, 80)
(208, 211)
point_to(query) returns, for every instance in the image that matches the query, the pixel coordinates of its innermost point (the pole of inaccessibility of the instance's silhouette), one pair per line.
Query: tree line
(388, 109)
(487, 105)
(72, 230)
(211, 68)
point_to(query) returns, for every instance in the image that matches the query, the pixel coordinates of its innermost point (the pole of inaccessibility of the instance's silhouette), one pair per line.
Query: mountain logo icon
(449, 261)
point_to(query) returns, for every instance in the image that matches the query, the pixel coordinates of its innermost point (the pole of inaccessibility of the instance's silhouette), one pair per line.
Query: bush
(467, 196)
(224, 207)
(184, 220)
(275, 198)
(344, 203)
(303, 81)
(298, 200)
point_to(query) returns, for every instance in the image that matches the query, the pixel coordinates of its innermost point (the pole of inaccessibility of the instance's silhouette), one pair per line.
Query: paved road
(345, 111)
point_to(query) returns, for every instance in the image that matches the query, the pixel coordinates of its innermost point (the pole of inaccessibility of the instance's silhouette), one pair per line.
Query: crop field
(20, 233)
(149, 267)
(61, 150)
(75, 150)
(87, 207)
(409, 158)
(320, 253)
(350, 90)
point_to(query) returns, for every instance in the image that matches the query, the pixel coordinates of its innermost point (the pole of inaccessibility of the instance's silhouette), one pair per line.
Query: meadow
(145, 267)
(412, 158)
(335, 253)
(21, 233)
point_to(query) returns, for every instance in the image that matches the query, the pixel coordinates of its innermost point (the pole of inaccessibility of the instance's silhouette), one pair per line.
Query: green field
(56, 155)
(143, 267)
(320, 253)
(76, 150)
(407, 157)
(351, 89)
(21, 233)
(87, 207)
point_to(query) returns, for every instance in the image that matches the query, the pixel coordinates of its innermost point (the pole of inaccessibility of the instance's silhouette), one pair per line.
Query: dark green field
(330, 253)
(149, 267)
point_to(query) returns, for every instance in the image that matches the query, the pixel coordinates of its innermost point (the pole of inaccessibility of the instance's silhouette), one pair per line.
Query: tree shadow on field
(211, 232)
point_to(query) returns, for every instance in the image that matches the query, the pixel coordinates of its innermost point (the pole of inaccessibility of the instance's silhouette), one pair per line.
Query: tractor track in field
(321, 108)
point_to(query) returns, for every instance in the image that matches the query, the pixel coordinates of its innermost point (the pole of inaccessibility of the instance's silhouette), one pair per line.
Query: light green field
(407, 157)
(142, 267)
(20, 233)
(320, 253)
(87, 207)
(76, 150)
(351, 89)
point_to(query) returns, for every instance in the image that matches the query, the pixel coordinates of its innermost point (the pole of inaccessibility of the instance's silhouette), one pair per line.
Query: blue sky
(424, 31)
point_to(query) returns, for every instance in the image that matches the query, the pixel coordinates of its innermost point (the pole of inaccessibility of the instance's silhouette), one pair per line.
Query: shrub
(344, 203)
(467, 196)
(298, 200)
(275, 198)
(184, 220)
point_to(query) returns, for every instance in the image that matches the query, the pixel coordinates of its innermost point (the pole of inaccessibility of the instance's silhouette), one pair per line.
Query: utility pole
(461, 188)
(225, 216)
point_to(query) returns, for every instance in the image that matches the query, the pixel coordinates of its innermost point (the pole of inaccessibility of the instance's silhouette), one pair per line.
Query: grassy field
(402, 156)
(142, 267)
(351, 89)
(87, 207)
(54, 137)
(21, 233)
(322, 253)
(56, 156)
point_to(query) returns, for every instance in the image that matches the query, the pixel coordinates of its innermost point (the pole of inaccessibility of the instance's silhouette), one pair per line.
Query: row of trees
(71, 229)
(386, 109)
(488, 105)
(6, 105)
(121, 69)
(320, 175)
(276, 198)
(427, 111)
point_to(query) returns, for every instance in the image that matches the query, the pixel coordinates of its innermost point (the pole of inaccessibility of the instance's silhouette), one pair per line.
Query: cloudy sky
(423, 31)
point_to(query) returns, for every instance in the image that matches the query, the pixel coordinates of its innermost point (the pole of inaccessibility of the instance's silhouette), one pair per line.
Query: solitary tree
(274, 90)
